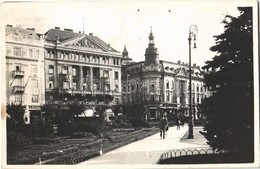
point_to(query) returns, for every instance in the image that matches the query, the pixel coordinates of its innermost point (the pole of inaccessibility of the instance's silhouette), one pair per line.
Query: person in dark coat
(178, 122)
(162, 125)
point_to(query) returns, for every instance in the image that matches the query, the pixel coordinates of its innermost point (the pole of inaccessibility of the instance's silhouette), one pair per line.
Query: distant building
(152, 86)
(24, 68)
(81, 67)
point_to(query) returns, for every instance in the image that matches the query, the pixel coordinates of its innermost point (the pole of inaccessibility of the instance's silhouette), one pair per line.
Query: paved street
(146, 151)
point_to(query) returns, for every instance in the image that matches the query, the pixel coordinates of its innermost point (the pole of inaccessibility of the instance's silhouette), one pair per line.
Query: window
(201, 88)
(65, 85)
(117, 100)
(17, 51)
(116, 75)
(74, 85)
(51, 68)
(74, 71)
(116, 88)
(197, 87)
(50, 84)
(114, 61)
(167, 84)
(18, 98)
(198, 99)
(30, 53)
(34, 69)
(37, 53)
(106, 74)
(167, 96)
(35, 98)
(64, 70)
(17, 68)
(70, 56)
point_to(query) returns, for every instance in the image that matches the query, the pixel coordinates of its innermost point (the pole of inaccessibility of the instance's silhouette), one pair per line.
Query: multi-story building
(24, 68)
(81, 67)
(153, 85)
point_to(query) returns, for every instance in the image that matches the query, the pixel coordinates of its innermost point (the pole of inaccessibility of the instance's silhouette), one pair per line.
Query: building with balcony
(24, 68)
(81, 67)
(152, 86)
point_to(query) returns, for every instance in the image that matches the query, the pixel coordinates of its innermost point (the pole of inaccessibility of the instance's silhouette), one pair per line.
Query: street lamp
(193, 31)
(127, 87)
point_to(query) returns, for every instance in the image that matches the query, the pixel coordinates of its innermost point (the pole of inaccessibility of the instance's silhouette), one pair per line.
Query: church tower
(151, 53)
(125, 58)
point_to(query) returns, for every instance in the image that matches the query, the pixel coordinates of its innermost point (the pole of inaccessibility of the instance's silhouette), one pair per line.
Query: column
(91, 78)
(81, 81)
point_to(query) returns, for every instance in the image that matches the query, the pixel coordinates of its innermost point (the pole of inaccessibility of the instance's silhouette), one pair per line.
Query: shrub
(85, 127)
(17, 139)
(139, 123)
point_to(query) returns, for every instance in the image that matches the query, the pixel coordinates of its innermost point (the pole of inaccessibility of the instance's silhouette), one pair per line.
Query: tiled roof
(102, 43)
(53, 34)
(65, 35)
(25, 33)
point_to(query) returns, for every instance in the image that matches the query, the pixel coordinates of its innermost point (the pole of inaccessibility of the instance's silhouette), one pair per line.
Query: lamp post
(127, 87)
(192, 35)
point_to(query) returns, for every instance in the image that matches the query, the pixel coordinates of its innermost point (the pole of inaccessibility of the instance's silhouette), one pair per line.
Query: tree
(76, 108)
(230, 111)
(49, 110)
(15, 113)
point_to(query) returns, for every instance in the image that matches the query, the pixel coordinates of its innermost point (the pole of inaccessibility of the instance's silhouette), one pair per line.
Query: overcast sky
(120, 23)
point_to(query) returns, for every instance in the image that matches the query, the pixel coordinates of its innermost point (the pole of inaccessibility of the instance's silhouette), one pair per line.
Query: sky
(129, 23)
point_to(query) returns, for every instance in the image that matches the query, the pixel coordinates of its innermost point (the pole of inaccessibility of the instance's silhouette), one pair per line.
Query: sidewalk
(146, 151)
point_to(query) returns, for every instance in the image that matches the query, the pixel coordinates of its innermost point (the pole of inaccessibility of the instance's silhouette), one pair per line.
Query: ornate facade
(81, 67)
(24, 68)
(154, 85)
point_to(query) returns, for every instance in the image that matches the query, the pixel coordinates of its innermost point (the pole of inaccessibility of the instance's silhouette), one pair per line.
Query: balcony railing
(18, 89)
(18, 73)
(76, 91)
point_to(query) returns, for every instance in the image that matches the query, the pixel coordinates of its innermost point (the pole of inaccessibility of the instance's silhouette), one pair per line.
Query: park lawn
(31, 153)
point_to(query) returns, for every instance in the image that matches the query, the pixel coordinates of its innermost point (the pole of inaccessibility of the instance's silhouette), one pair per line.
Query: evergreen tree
(230, 109)
(76, 108)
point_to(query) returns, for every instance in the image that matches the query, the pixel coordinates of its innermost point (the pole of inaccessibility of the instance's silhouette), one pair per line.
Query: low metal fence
(187, 152)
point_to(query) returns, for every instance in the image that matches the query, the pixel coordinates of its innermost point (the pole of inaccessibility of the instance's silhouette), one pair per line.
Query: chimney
(70, 30)
(179, 62)
(80, 32)
(183, 63)
(194, 65)
(9, 25)
(57, 28)
(32, 29)
(91, 34)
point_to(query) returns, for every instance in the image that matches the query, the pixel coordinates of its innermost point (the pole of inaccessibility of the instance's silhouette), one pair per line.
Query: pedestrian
(178, 121)
(162, 126)
(167, 125)
(182, 120)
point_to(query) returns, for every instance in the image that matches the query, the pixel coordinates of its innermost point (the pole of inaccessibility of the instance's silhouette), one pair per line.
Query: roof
(25, 33)
(53, 35)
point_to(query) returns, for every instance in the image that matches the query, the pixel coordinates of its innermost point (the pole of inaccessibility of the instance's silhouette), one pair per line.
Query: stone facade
(152, 86)
(81, 67)
(24, 68)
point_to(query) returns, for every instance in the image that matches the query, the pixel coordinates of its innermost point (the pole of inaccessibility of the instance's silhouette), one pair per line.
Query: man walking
(163, 124)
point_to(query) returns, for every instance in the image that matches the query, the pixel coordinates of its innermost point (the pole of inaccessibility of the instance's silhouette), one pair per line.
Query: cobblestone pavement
(145, 151)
